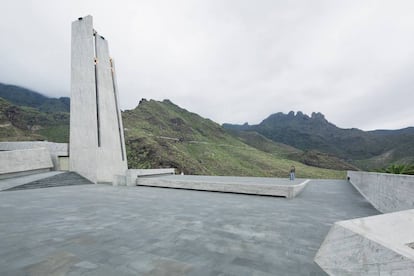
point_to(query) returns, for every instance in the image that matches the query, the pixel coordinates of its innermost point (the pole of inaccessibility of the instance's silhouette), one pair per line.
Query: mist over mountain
(25, 97)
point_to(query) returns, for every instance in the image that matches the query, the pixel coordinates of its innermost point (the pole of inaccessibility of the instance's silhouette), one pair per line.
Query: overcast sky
(231, 61)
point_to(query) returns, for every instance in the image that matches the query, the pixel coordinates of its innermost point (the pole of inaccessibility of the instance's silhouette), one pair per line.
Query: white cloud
(231, 61)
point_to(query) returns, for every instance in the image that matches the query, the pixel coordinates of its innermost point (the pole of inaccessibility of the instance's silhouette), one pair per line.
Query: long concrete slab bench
(376, 245)
(243, 185)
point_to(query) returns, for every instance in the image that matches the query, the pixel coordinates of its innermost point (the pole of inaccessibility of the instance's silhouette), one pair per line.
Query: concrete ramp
(377, 245)
(242, 185)
(54, 180)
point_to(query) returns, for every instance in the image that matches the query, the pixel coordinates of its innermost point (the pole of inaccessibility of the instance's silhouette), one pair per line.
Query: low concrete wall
(130, 178)
(386, 192)
(20, 161)
(376, 245)
(132, 175)
(55, 149)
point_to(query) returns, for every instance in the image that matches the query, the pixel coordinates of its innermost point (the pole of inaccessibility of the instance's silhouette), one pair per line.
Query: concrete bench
(228, 184)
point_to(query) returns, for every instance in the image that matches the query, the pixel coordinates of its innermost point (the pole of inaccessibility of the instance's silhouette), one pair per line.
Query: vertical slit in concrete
(116, 109)
(96, 88)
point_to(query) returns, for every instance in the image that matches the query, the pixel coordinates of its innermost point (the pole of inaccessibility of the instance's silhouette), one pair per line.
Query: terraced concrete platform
(228, 184)
(105, 230)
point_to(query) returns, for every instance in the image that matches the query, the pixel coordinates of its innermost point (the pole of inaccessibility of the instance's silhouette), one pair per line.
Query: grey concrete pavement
(105, 230)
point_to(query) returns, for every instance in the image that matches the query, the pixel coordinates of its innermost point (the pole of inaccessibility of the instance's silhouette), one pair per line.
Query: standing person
(292, 173)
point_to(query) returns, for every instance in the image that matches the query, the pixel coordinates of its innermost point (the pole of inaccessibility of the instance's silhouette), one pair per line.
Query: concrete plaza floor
(105, 230)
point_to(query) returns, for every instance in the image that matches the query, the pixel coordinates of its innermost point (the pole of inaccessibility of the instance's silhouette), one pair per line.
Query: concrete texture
(58, 180)
(56, 150)
(228, 184)
(106, 230)
(111, 154)
(17, 181)
(17, 161)
(132, 174)
(386, 192)
(83, 113)
(377, 245)
(97, 149)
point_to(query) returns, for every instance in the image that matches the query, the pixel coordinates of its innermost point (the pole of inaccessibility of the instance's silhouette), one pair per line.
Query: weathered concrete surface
(106, 230)
(111, 154)
(97, 149)
(17, 161)
(228, 184)
(377, 245)
(57, 180)
(132, 174)
(17, 181)
(386, 192)
(56, 150)
(83, 114)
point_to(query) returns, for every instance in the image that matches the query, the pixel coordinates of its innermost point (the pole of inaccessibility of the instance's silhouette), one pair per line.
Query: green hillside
(161, 134)
(309, 157)
(21, 96)
(21, 123)
(365, 149)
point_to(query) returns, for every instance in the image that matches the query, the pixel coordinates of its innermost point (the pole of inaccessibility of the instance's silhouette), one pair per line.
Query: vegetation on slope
(18, 123)
(399, 169)
(364, 149)
(161, 134)
(308, 157)
(20, 96)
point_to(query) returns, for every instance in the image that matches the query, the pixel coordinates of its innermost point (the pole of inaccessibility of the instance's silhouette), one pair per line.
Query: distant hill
(25, 97)
(308, 157)
(161, 134)
(22, 123)
(367, 150)
(158, 134)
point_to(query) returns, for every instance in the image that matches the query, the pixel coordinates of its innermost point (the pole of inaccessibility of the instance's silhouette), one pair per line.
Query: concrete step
(63, 179)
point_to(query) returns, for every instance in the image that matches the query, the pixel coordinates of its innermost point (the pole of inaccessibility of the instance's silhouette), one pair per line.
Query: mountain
(25, 97)
(22, 123)
(309, 157)
(365, 149)
(161, 134)
(158, 134)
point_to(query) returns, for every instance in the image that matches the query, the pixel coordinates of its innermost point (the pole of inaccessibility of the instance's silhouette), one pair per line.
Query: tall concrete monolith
(96, 146)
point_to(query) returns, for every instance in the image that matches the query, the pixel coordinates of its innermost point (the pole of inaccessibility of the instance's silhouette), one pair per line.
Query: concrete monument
(97, 146)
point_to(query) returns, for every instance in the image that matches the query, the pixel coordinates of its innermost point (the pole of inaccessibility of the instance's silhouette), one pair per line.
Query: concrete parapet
(133, 174)
(17, 162)
(56, 150)
(377, 245)
(242, 185)
(386, 192)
